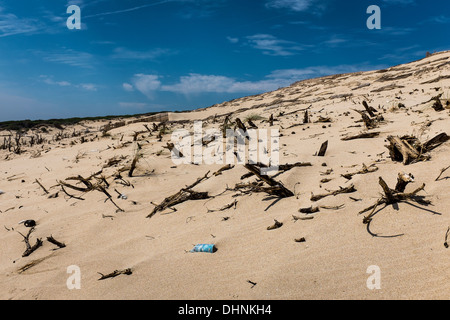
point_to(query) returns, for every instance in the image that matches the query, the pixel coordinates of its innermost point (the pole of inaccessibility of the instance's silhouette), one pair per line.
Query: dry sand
(331, 264)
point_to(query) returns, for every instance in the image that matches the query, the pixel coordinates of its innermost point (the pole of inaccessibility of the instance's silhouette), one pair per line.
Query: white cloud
(128, 87)
(146, 84)
(199, 83)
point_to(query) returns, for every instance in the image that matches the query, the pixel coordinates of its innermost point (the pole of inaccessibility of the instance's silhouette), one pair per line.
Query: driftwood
(401, 149)
(89, 186)
(309, 210)
(115, 274)
(403, 180)
(349, 189)
(409, 149)
(369, 109)
(437, 105)
(251, 124)
(56, 242)
(225, 168)
(277, 225)
(224, 208)
(312, 209)
(392, 196)
(324, 120)
(281, 168)
(30, 249)
(364, 135)
(185, 194)
(364, 170)
(276, 188)
(323, 149)
(435, 142)
(295, 218)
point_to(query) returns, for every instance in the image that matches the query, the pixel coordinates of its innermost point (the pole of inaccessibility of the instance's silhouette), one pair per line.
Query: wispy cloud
(130, 9)
(270, 45)
(10, 24)
(399, 2)
(84, 86)
(233, 40)
(295, 5)
(69, 57)
(133, 105)
(126, 54)
(437, 20)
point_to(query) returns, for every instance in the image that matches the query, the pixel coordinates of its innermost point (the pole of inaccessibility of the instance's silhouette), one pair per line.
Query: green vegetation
(59, 123)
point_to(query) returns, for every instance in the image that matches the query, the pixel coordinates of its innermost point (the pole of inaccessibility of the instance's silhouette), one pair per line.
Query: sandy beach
(105, 225)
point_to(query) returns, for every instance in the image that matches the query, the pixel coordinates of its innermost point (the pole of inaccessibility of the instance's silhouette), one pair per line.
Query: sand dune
(405, 240)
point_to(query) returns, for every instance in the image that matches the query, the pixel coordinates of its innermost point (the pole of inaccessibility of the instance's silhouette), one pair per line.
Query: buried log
(435, 142)
(370, 110)
(323, 149)
(392, 196)
(437, 105)
(410, 150)
(349, 189)
(185, 194)
(306, 117)
(364, 135)
(368, 121)
(401, 150)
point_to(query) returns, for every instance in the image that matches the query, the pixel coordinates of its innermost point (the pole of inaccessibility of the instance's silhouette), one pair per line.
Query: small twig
(442, 172)
(446, 238)
(43, 188)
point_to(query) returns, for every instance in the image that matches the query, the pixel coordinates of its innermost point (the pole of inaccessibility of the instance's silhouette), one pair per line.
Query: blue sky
(141, 56)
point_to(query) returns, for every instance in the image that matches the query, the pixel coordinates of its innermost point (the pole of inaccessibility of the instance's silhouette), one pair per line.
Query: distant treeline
(24, 125)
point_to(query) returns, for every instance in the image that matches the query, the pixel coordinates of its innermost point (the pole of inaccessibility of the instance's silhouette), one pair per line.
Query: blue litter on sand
(208, 248)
